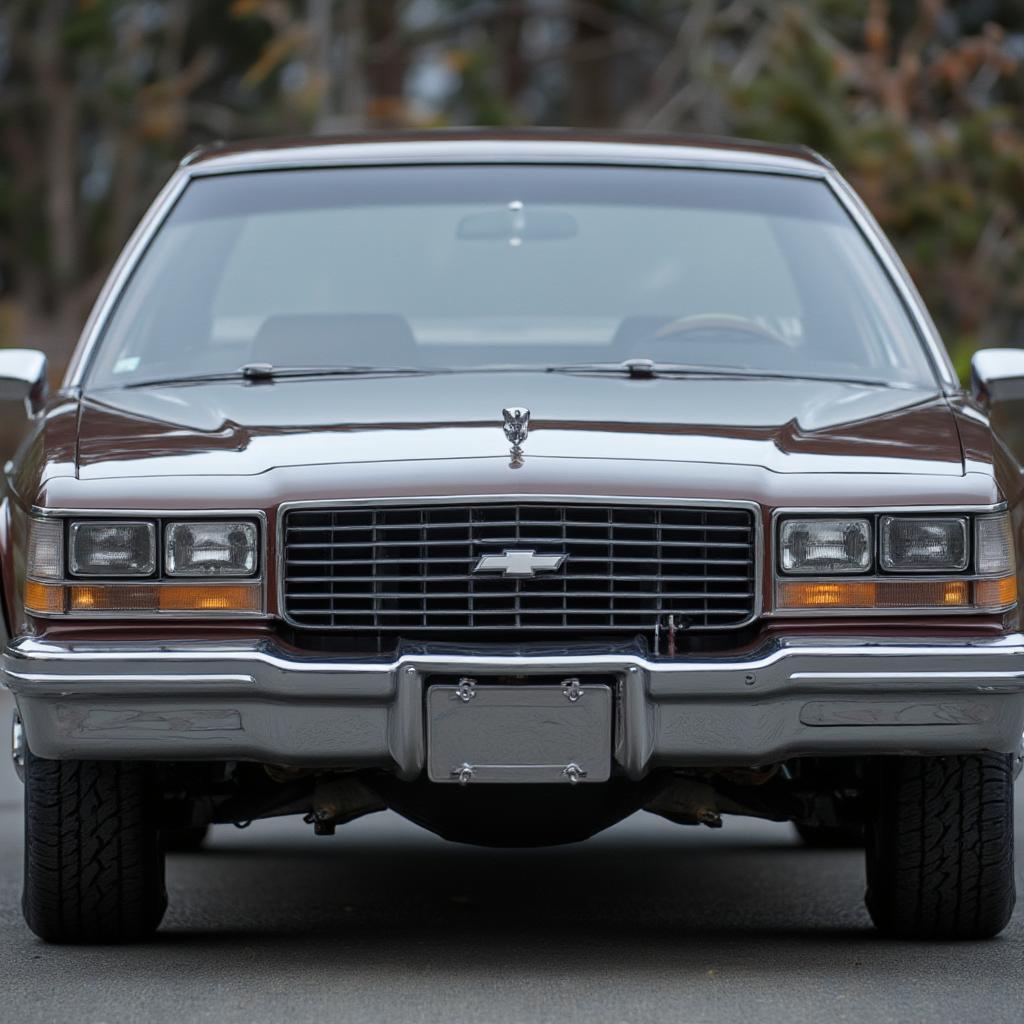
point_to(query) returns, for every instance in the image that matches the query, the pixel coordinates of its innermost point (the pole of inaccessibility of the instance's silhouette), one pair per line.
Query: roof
(505, 146)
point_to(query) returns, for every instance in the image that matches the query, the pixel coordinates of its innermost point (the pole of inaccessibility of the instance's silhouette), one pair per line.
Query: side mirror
(997, 375)
(23, 377)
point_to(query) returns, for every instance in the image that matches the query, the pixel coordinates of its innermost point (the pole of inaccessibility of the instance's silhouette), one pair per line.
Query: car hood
(783, 426)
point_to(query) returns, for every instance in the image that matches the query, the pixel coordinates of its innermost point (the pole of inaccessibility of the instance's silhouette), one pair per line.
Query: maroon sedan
(516, 484)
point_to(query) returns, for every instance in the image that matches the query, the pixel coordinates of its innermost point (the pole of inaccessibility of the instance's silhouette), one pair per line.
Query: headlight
(923, 545)
(825, 546)
(112, 549)
(956, 562)
(215, 548)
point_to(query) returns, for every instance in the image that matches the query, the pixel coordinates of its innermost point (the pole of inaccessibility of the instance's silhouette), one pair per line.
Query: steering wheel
(720, 322)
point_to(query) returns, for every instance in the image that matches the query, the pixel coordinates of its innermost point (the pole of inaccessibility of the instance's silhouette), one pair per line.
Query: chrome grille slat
(461, 594)
(511, 524)
(469, 562)
(409, 569)
(522, 540)
(461, 577)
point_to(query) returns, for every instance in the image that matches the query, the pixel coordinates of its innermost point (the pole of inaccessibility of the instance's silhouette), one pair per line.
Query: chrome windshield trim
(612, 152)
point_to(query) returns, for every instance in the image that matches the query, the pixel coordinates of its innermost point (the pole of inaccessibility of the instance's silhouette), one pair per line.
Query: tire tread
(940, 847)
(93, 866)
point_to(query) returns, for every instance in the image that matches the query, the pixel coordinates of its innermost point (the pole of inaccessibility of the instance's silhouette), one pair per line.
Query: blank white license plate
(519, 734)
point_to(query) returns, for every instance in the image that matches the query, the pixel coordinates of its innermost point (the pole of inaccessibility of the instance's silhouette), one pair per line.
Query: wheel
(184, 840)
(832, 837)
(940, 847)
(94, 870)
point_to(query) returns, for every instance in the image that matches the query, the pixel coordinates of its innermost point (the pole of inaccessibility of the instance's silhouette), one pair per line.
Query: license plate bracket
(478, 732)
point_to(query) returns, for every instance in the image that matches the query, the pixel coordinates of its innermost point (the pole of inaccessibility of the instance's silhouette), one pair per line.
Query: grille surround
(463, 590)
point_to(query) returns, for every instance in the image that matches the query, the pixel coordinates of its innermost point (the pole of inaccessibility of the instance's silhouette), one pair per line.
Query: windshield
(462, 267)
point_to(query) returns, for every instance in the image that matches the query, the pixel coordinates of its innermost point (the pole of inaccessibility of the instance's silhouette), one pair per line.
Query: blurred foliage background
(919, 102)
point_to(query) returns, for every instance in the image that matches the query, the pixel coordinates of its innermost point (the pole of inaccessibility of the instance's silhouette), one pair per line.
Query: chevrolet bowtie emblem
(520, 564)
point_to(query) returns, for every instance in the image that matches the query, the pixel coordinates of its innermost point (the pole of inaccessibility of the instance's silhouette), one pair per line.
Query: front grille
(410, 569)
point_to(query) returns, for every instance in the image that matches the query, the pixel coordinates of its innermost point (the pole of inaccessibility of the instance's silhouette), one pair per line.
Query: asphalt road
(385, 923)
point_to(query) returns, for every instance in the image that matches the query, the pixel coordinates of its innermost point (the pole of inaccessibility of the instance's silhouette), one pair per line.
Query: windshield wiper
(645, 369)
(268, 372)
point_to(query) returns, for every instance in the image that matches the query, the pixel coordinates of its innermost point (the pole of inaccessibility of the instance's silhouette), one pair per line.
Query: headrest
(334, 339)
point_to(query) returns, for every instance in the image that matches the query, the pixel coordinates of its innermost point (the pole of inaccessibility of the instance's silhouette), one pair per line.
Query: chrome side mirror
(997, 374)
(23, 377)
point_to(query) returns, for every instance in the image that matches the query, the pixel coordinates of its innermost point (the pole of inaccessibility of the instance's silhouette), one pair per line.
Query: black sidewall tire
(94, 868)
(939, 850)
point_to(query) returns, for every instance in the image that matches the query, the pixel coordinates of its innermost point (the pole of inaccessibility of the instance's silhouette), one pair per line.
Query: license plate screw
(464, 774)
(574, 773)
(572, 690)
(466, 690)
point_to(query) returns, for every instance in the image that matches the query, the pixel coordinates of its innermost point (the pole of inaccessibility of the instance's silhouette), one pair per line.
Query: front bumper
(257, 701)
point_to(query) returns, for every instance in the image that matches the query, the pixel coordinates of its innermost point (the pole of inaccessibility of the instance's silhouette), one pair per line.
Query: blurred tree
(920, 102)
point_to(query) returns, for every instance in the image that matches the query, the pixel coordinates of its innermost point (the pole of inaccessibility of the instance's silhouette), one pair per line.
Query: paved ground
(648, 922)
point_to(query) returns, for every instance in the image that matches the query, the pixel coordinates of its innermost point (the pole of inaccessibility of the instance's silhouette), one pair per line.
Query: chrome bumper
(208, 701)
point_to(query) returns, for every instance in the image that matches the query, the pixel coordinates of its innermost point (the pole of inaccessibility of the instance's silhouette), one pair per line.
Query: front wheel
(94, 868)
(940, 847)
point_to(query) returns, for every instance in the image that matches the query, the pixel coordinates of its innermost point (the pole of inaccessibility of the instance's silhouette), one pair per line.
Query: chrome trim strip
(757, 547)
(167, 660)
(371, 153)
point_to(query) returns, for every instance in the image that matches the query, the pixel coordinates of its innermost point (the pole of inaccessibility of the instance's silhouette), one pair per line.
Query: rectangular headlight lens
(215, 548)
(112, 549)
(923, 545)
(995, 555)
(824, 546)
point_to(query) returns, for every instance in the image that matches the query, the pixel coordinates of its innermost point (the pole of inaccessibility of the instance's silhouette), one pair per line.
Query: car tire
(940, 847)
(94, 869)
(185, 840)
(832, 837)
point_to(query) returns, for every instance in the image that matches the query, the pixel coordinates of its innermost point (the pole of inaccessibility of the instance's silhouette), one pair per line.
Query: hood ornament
(517, 427)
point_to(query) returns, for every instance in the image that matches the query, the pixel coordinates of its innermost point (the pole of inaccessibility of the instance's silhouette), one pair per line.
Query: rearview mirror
(516, 225)
(23, 377)
(997, 375)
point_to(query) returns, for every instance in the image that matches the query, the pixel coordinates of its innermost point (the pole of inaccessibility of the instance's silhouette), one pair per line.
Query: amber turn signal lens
(886, 594)
(45, 598)
(113, 597)
(837, 594)
(996, 594)
(106, 598)
(923, 594)
(210, 598)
